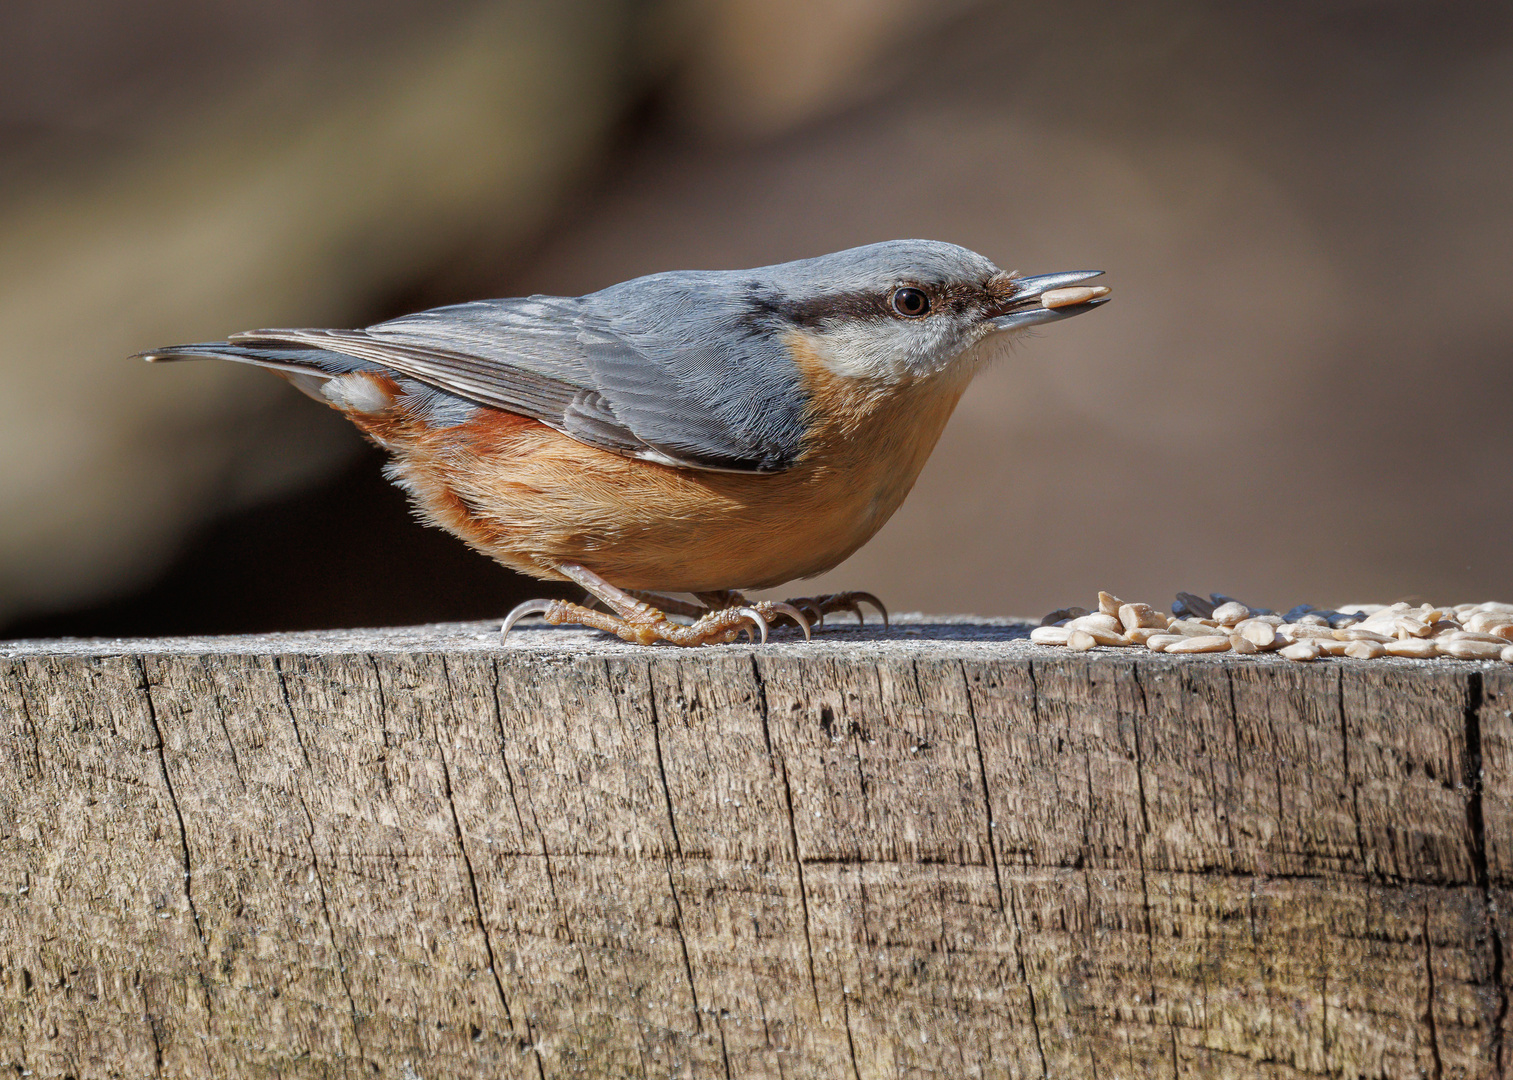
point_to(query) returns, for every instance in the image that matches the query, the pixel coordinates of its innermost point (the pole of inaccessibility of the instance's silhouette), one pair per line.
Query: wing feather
(675, 385)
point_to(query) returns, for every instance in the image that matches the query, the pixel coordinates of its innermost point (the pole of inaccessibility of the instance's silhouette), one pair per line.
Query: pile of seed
(1222, 624)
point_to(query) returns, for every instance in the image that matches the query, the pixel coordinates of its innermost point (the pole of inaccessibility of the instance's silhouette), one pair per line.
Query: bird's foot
(806, 611)
(648, 625)
(830, 603)
(636, 620)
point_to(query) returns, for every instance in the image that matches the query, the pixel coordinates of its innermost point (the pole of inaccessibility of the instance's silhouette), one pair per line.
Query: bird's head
(909, 309)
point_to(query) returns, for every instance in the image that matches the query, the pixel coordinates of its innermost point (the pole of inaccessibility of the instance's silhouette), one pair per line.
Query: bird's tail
(307, 369)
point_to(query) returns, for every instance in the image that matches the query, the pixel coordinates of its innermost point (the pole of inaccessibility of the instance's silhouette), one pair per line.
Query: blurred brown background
(1303, 391)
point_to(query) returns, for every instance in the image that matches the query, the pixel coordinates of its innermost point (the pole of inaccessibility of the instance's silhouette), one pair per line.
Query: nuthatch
(698, 432)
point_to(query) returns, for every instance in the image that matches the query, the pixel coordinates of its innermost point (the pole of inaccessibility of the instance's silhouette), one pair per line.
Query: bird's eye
(910, 303)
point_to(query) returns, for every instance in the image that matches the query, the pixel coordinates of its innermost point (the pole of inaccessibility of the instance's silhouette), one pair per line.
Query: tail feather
(308, 370)
(316, 362)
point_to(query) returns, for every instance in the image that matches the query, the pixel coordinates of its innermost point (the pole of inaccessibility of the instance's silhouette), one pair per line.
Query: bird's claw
(782, 607)
(520, 611)
(842, 601)
(757, 620)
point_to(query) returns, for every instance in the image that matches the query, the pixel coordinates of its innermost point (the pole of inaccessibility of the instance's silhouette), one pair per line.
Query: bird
(703, 432)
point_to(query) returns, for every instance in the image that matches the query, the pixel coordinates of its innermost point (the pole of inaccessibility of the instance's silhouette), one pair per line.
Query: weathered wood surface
(939, 852)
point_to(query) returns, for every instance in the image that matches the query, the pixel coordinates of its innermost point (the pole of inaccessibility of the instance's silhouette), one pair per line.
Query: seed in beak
(1081, 294)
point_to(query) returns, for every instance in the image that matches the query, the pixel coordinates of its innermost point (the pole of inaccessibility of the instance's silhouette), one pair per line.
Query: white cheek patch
(888, 348)
(357, 392)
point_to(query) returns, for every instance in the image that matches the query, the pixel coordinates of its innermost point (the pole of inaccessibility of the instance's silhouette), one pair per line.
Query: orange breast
(533, 498)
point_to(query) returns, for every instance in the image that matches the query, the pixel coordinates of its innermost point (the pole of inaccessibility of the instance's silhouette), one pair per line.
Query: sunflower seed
(1302, 650)
(1240, 643)
(1259, 633)
(1139, 616)
(1078, 294)
(1355, 633)
(1211, 643)
(1470, 649)
(1106, 624)
(1230, 613)
(1416, 647)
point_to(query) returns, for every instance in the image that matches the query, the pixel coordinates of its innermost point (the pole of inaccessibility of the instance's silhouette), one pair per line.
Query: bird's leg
(637, 621)
(670, 604)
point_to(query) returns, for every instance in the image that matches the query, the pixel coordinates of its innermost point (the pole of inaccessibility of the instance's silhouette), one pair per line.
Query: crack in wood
(467, 862)
(672, 888)
(283, 688)
(1439, 1065)
(325, 908)
(856, 1072)
(173, 800)
(1355, 788)
(1024, 976)
(982, 772)
(798, 862)
(1476, 824)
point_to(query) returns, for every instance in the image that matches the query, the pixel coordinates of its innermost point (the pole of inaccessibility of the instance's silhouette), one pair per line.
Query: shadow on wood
(934, 851)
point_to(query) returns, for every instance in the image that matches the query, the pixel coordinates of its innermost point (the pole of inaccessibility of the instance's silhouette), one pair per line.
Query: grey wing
(679, 398)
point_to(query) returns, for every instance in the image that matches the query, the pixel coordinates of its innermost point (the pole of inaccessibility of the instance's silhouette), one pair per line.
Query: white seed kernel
(1355, 633)
(1106, 624)
(1415, 647)
(1240, 643)
(1471, 635)
(1260, 634)
(1191, 628)
(1364, 650)
(1142, 616)
(1228, 614)
(1077, 294)
(1211, 643)
(1080, 640)
(1050, 635)
(1302, 650)
(1162, 642)
(1470, 649)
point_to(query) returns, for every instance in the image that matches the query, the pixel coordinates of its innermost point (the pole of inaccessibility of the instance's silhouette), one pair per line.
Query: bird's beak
(1029, 301)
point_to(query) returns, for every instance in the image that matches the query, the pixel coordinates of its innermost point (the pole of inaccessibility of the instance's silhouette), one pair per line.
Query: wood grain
(939, 851)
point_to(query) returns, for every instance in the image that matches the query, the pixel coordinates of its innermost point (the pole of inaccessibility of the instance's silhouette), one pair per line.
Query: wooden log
(940, 851)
